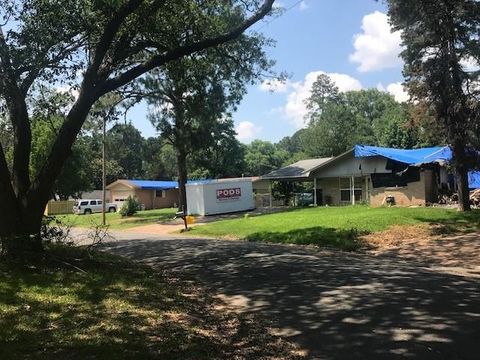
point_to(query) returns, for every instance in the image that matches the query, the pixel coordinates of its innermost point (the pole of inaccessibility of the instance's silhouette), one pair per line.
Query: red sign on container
(229, 194)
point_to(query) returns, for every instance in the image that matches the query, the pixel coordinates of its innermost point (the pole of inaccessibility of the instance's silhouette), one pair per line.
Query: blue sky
(349, 39)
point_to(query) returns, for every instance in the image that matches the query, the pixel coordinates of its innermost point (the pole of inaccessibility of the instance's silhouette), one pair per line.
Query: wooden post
(352, 182)
(367, 198)
(104, 177)
(315, 191)
(270, 191)
(184, 218)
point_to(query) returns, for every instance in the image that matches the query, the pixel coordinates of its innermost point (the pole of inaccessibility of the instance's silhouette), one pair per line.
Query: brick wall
(170, 200)
(330, 190)
(431, 186)
(413, 194)
(145, 197)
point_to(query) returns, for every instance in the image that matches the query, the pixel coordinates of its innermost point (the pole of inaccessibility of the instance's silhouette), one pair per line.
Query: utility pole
(104, 177)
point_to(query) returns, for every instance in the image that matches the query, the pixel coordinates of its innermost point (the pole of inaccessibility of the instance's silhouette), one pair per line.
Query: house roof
(406, 156)
(146, 184)
(442, 155)
(166, 185)
(155, 184)
(299, 170)
(219, 181)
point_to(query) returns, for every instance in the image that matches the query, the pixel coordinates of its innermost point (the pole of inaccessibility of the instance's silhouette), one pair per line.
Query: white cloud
(398, 92)
(65, 89)
(295, 109)
(376, 47)
(380, 87)
(303, 5)
(275, 85)
(470, 64)
(247, 131)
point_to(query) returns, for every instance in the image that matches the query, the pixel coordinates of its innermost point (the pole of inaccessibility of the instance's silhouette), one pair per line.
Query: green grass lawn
(333, 226)
(115, 220)
(115, 309)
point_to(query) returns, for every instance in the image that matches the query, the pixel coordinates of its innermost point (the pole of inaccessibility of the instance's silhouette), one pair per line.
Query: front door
(319, 197)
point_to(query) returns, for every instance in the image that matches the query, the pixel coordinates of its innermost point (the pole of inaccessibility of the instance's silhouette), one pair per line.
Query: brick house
(374, 175)
(152, 194)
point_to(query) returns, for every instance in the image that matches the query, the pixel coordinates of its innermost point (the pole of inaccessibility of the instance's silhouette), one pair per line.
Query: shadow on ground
(146, 218)
(335, 305)
(460, 222)
(116, 310)
(344, 239)
(456, 251)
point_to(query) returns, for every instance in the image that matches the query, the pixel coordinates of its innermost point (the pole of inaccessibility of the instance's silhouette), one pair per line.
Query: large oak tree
(99, 46)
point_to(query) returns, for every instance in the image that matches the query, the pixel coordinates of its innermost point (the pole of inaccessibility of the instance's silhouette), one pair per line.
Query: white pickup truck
(92, 206)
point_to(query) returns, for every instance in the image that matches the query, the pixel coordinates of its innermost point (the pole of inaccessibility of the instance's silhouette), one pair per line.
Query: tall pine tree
(441, 69)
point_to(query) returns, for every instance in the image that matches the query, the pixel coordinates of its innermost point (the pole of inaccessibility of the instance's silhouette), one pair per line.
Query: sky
(350, 40)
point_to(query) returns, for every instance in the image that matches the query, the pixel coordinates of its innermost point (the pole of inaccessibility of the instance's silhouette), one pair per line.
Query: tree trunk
(461, 168)
(182, 179)
(21, 238)
(463, 191)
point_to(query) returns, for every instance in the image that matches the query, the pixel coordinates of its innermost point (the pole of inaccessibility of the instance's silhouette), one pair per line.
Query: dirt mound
(398, 235)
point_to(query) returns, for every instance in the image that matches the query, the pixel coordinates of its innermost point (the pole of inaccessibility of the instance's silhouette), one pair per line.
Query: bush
(130, 207)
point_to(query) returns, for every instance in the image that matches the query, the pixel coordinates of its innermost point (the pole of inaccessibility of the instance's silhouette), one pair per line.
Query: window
(412, 174)
(93, 202)
(358, 195)
(160, 193)
(346, 189)
(83, 203)
(99, 202)
(345, 195)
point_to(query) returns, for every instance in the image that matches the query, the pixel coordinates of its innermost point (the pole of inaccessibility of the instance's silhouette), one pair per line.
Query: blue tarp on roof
(416, 157)
(474, 179)
(410, 156)
(154, 184)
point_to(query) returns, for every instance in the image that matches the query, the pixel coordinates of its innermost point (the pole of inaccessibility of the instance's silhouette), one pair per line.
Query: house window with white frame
(346, 189)
(160, 194)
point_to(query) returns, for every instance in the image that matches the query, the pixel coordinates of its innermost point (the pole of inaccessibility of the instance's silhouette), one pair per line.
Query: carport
(301, 171)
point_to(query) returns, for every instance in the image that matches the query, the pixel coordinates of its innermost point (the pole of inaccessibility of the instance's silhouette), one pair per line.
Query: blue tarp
(416, 157)
(155, 185)
(474, 179)
(411, 157)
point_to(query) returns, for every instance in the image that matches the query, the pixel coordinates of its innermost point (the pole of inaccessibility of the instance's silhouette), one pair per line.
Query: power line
(286, 10)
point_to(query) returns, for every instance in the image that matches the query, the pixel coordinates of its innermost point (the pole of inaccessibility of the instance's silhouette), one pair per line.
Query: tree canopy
(94, 47)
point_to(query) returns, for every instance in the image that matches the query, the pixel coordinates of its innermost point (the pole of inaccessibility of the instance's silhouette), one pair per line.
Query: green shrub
(130, 207)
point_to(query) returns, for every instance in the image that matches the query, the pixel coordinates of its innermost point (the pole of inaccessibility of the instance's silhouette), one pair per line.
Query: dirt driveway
(335, 305)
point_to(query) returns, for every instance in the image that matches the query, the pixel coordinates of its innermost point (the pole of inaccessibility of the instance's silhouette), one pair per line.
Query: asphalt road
(334, 305)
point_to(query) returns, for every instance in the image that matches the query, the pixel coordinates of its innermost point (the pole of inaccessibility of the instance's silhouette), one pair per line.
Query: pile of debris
(475, 198)
(451, 200)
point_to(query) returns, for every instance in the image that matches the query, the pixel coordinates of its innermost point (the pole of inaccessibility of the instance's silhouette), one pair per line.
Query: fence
(59, 207)
(263, 200)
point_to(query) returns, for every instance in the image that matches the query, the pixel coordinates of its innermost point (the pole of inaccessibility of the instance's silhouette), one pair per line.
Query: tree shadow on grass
(451, 242)
(460, 222)
(147, 217)
(344, 239)
(113, 310)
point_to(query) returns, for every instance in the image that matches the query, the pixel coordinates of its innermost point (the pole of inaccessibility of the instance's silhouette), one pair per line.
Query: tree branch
(109, 33)
(181, 51)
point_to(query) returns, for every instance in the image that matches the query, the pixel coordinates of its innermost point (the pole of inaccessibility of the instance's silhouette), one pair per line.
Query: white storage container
(219, 196)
